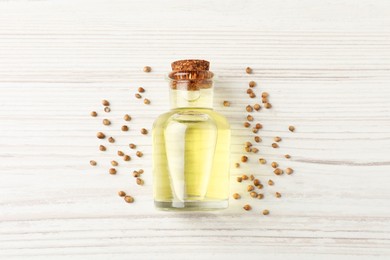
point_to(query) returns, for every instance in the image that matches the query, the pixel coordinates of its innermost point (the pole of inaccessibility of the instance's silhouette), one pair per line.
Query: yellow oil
(191, 159)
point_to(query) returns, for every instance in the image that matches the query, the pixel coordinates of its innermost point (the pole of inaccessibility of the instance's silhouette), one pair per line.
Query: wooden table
(326, 65)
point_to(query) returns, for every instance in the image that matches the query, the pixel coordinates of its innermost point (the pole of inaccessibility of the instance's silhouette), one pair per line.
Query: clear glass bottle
(191, 144)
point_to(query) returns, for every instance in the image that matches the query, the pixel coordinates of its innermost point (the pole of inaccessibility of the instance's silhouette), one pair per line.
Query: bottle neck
(184, 98)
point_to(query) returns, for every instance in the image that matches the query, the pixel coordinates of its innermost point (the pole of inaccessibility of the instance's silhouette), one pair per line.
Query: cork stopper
(191, 75)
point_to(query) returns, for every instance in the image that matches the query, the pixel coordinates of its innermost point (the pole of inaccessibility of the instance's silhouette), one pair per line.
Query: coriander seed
(247, 124)
(271, 182)
(239, 179)
(105, 103)
(250, 188)
(121, 193)
(129, 199)
(100, 135)
(139, 153)
(112, 171)
(107, 109)
(249, 118)
(257, 107)
(289, 171)
(267, 105)
(249, 108)
(106, 122)
(259, 126)
(265, 212)
(264, 94)
(237, 165)
(278, 171)
(141, 90)
(248, 70)
(248, 149)
(257, 139)
(262, 161)
(126, 158)
(139, 181)
(111, 139)
(249, 91)
(146, 101)
(260, 196)
(236, 196)
(278, 195)
(255, 150)
(252, 84)
(247, 207)
(277, 139)
(144, 131)
(275, 145)
(226, 103)
(102, 148)
(274, 164)
(256, 182)
(244, 158)
(92, 162)
(147, 69)
(244, 177)
(248, 144)
(125, 128)
(127, 117)
(138, 95)
(260, 186)
(251, 177)
(114, 163)
(253, 194)
(255, 130)
(291, 128)
(120, 153)
(141, 171)
(287, 156)
(136, 174)
(93, 114)
(132, 146)
(252, 95)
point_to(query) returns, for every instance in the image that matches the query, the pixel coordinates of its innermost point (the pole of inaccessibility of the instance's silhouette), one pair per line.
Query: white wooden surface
(325, 64)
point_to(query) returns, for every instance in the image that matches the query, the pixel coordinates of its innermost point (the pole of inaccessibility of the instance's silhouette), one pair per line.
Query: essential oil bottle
(191, 143)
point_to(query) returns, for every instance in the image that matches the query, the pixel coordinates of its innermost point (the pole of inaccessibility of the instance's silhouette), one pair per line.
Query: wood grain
(325, 64)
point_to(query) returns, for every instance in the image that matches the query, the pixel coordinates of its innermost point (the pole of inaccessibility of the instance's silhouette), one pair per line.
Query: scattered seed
(257, 139)
(93, 113)
(287, 156)
(291, 128)
(126, 158)
(236, 196)
(248, 70)
(247, 124)
(265, 212)
(146, 101)
(102, 148)
(144, 131)
(252, 95)
(264, 100)
(248, 144)
(267, 105)
(106, 122)
(247, 207)
(274, 164)
(105, 103)
(141, 171)
(264, 94)
(114, 163)
(140, 181)
(260, 196)
(125, 128)
(129, 199)
(100, 135)
(111, 139)
(249, 91)
(259, 126)
(141, 90)
(270, 182)
(112, 171)
(255, 150)
(262, 161)
(244, 177)
(252, 84)
(260, 186)
(132, 146)
(136, 174)
(237, 165)
(255, 130)
(92, 162)
(239, 179)
(121, 193)
(249, 108)
(127, 117)
(107, 109)
(139, 153)
(253, 194)
(275, 145)
(289, 171)
(147, 69)
(120, 153)
(248, 149)
(251, 177)
(257, 107)
(278, 171)
(244, 158)
(277, 139)
(250, 188)
(226, 103)
(138, 95)
(249, 118)
(278, 195)
(256, 182)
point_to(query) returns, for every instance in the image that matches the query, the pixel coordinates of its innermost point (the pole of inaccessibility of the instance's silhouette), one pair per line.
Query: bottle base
(191, 205)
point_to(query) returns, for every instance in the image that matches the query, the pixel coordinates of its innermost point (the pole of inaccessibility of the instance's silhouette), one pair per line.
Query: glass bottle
(191, 143)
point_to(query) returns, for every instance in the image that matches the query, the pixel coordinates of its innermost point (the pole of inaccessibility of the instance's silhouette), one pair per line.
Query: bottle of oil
(191, 143)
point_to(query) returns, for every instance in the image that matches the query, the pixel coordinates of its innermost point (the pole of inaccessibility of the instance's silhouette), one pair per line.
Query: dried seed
(259, 126)
(112, 171)
(102, 148)
(126, 158)
(140, 181)
(248, 149)
(250, 188)
(252, 84)
(127, 117)
(277, 139)
(249, 108)
(92, 162)
(249, 118)
(125, 128)
(253, 194)
(249, 91)
(111, 139)
(244, 158)
(251, 177)
(105, 103)
(136, 174)
(264, 100)
(260, 186)
(270, 182)
(120, 153)
(255, 150)
(146, 101)
(139, 153)
(237, 165)
(287, 156)
(248, 144)
(132, 146)
(260, 196)
(267, 105)
(141, 90)
(107, 109)
(247, 207)
(291, 128)
(278, 171)
(275, 145)
(93, 113)
(244, 177)
(226, 103)
(255, 130)
(262, 161)
(138, 95)
(147, 69)
(129, 199)
(144, 131)
(248, 70)
(252, 95)
(106, 122)
(141, 171)
(256, 182)
(247, 124)
(289, 171)
(236, 196)
(274, 164)
(114, 163)
(257, 139)
(265, 212)
(264, 94)
(121, 193)
(100, 135)
(278, 195)
(239, 179)
(257, 107)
